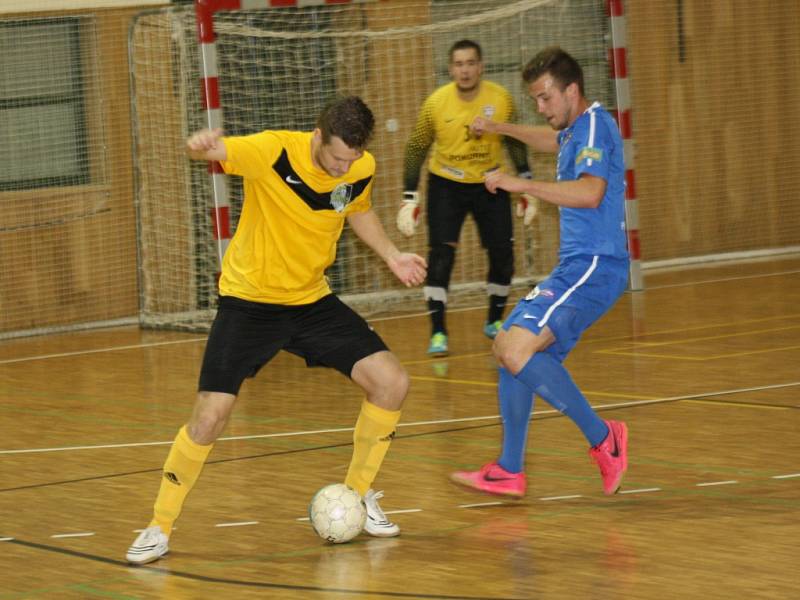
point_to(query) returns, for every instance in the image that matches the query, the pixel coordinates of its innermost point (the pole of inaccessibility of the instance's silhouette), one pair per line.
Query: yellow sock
(374, 432)
(181, 470)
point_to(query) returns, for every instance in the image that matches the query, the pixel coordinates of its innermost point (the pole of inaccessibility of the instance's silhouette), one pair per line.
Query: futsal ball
(337, 513)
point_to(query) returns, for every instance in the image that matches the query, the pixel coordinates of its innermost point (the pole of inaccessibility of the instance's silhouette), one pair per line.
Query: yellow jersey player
(299, 188)
(458, 164)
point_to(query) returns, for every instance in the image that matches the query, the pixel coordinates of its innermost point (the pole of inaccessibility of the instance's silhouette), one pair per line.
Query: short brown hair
(349, 119)
(465, 45)
(556, 62)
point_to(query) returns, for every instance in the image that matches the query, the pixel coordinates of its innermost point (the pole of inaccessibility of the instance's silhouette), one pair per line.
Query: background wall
(68, 227)
(714, 85)
(713, 88)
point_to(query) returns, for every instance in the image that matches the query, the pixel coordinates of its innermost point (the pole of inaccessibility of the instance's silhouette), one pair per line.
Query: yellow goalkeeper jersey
(444, 120)
(292, 217)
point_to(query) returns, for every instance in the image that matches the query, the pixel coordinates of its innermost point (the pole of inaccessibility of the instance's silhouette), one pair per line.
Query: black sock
(436, 308)
(497, 305)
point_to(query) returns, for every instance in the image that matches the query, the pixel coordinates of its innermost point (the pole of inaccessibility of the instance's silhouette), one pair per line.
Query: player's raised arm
(206, 144)
(541, 139)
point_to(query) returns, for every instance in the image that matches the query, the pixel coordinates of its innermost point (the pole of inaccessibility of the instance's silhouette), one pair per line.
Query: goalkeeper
(458, 164)
(299, 188)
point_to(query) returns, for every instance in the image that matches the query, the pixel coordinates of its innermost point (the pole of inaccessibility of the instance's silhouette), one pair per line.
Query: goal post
(250, 65)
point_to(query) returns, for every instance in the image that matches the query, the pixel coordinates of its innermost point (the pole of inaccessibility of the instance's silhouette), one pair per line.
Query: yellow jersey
(292, 217)
(444, 121)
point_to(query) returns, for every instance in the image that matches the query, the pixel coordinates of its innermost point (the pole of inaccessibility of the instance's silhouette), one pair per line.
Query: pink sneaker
(611, 455)
(492, 479)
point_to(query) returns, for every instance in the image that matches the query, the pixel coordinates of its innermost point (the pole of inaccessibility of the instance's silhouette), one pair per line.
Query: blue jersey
(593, 145)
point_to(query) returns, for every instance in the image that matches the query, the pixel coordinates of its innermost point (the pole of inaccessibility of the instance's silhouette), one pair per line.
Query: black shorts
(450, 201)
(247, 335)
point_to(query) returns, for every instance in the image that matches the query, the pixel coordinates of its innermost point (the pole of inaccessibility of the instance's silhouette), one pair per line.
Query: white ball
(337, 513)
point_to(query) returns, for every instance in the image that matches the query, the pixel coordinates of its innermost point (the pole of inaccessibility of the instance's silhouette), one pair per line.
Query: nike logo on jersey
(337, 199)
(527, 316)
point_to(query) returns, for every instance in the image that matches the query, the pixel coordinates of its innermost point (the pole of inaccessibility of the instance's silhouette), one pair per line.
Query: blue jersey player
(591, 274)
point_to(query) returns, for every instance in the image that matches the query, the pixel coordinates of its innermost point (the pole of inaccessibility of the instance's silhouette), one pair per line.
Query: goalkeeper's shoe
(438, 345)
(491, 330)
(149, 546)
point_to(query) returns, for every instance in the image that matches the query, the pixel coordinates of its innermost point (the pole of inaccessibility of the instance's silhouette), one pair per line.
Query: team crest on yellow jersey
(341, 196)
(488, 111)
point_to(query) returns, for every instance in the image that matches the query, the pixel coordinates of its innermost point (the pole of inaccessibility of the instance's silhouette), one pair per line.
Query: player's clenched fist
(480, 125)
(205, 139)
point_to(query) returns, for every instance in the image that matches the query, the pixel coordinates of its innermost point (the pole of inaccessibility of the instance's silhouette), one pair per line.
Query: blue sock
(516, 403)
(548, 378)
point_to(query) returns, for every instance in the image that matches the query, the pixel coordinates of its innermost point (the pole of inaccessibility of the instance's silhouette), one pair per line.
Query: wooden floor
(703, 366)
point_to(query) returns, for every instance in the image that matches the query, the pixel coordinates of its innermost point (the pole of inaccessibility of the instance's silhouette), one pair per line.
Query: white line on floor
(560, 497)
(598, 407)
(710, 483)
(640, 491)
(479, 504)
(239, 524)
(73, 535)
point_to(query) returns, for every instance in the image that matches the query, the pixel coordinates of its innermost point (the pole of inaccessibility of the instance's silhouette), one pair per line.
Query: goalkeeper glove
(408, 215)
(527, 205)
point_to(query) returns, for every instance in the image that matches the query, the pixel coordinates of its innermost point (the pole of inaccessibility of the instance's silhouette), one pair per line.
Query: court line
(549, 498)
(697, 358)
(712, 483)
(242, 583)
(8, 361)
(643, 344)
(73, 535)
(413, 362)
(598, 407)
(238, 524)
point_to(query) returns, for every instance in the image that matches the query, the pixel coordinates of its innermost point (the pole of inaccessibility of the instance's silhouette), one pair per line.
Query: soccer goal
(275, 67)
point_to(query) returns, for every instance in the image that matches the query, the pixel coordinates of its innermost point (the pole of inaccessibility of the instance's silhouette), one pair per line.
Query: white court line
(710, 483)
(549, 498)
(479, 504)
(6, 539)
(789, 476)
(73, 535)
(597, 407)
(239, 524)
(640, 491)
(99, 350)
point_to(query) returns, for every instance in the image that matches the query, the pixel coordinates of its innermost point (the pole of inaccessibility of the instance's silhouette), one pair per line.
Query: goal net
(277, 68)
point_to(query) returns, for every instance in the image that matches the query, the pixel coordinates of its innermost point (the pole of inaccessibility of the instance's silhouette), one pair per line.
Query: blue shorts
(577, 293)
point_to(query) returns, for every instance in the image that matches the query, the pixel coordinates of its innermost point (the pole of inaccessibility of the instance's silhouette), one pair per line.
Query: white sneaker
(377, 524)
(148, 547)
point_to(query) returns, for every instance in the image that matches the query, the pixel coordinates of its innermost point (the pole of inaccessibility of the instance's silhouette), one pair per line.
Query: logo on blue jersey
(341, 196)
(589, 153)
